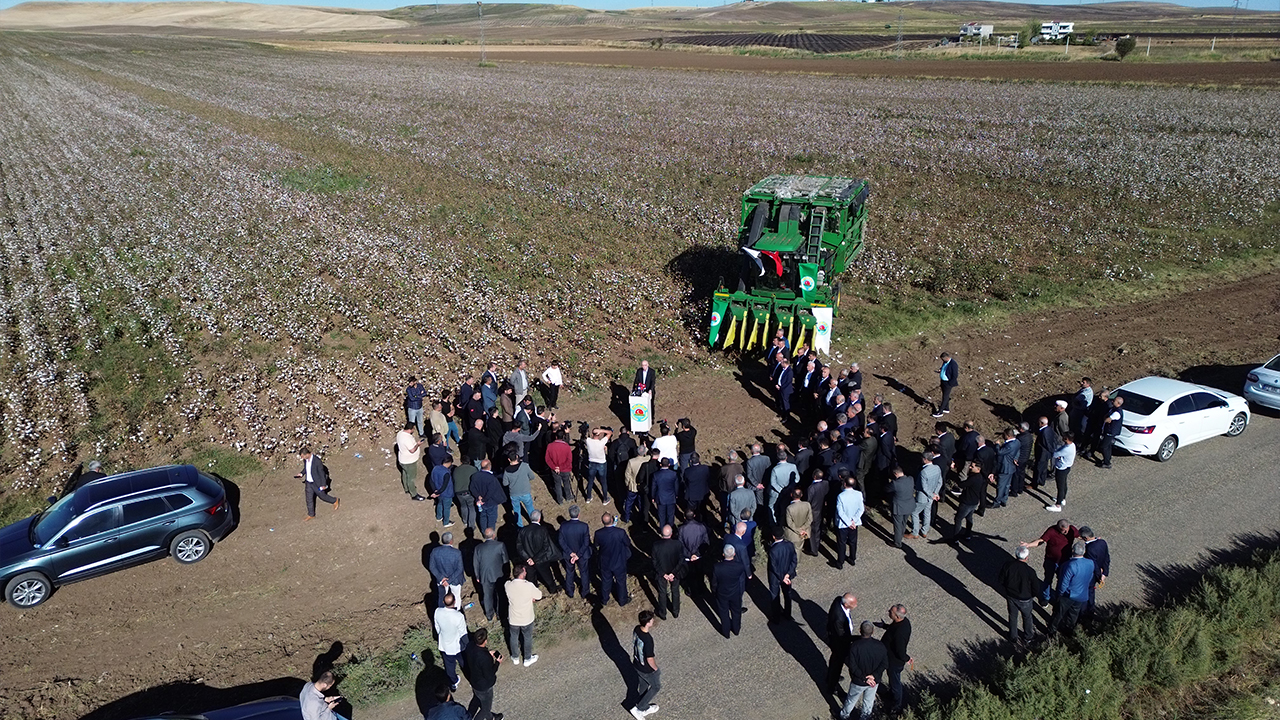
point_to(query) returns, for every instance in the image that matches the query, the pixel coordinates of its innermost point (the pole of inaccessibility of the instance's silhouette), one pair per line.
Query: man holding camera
(480, 665)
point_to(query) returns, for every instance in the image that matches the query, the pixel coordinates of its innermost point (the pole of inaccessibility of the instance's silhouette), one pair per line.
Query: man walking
(849, 509)
(949, 378)
(1018, 582)
(451, 627)
(445, 564)
(315, 481)
(903, 489)
(408, 453)
(575, 552)
(839, 636)
(537, 552)
(895, 640)
(1057, 539)
(781, 569)
(521, 595)
(490, 562)
(642, 654)
(729, 582)
(867, 659)
(927, 489)
(480, 665)
(1063, 458)
(613, 547)
(669, 569)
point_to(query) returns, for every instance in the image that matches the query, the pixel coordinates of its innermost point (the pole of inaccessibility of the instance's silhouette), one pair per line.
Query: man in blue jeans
(413, 396)
(597, 445)
(489, 495)
(1075, 577)
(442, 489)
(519, 481)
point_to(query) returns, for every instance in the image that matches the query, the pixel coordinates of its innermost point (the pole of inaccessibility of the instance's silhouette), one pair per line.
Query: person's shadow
(955, 588)
(619, 405)
(906, 390)
(793, 640)
(326, 660)
(621, 658)
(428, 682)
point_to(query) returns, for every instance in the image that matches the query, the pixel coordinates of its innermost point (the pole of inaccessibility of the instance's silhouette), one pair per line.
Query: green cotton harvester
(798, 234)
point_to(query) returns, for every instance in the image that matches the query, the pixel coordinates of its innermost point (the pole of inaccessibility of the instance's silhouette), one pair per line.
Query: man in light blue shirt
(1063, 458)
(316, 704)
(849, 509)
(1075, 577)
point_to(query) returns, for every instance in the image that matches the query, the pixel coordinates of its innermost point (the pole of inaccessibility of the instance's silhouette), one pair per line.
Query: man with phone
(316, 703)
(480, 665)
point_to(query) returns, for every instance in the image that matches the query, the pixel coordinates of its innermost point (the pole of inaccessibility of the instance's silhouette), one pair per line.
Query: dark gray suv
(113, 523)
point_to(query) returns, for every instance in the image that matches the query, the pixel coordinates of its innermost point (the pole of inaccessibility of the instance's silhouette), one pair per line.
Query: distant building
(978, 30)
(1056, 30)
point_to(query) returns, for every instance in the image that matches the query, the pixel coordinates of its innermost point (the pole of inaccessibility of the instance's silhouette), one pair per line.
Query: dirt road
(279, 591)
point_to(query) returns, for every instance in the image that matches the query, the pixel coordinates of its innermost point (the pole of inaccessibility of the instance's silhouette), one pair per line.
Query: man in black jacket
(895, 640)
(839, 636)
(817, 498)
(669, 569)
(536, 550)
(315, 481)
(480, 665)
(694, 542)
(1026, 440)
(490, 564)
(729, 582)
(972, 492)
(867, 659)
(1046, 444)
(782, 569)
(1019, 583)
(949, 378)
(575, 552)
(944, 445)
(966, 448)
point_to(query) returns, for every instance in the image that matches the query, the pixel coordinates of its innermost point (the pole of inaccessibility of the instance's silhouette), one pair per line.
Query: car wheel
(28, 590)
(1167, 448)
(1238, 424)
(190, 547)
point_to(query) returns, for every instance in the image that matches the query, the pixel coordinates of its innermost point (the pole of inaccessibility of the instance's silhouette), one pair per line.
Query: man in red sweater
(560, 460)
(1057, 541)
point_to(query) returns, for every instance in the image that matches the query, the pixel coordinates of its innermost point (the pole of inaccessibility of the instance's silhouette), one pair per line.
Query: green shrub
(365, 681)
(1125, 45)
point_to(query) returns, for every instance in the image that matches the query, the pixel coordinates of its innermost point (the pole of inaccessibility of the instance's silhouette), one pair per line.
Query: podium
(641, 407)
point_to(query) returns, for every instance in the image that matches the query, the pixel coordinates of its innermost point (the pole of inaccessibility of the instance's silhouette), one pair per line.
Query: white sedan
(1262, 386)
(1161, 414)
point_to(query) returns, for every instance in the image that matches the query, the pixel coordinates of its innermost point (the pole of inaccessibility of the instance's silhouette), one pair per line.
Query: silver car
(1262, 385)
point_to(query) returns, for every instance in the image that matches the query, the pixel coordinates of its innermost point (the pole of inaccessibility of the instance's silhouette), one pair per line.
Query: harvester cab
(797, 235)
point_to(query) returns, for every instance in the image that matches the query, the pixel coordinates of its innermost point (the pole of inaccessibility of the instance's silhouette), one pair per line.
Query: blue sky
(1272, 5)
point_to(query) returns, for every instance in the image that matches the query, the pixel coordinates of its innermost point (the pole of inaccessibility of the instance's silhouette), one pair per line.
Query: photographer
(686, 439)
(597, 459)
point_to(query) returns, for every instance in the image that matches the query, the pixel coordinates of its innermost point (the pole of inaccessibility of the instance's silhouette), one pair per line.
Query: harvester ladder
(817, 220)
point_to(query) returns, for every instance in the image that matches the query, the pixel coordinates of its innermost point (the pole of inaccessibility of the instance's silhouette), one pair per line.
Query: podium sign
(641, 412)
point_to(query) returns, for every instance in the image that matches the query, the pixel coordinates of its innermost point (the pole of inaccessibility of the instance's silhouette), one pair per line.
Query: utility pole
(899, 32)
(480, 9)
(1068, 50)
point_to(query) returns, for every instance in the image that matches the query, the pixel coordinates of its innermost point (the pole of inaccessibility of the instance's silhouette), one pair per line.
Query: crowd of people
(692, 527)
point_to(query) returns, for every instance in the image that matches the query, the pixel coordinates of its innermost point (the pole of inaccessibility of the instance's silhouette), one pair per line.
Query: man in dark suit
(966, 449)
(489, 495)
(1046, 444)
(666, 491)
(694, 542)
(315, 481)
(1026, 441)
(782, 569)
(445, 564)
(729, 582)
(987, 458)
(575, 550)
(646, 381)
(613, 549)
(839, 636)
(817, 497)
(697, 484)
(783, 386)
(886, 457)
(490, 561)
(537, 551)
(669, 569)
(1095, 549)
(949, 377)
(944, 446)
(903, 490)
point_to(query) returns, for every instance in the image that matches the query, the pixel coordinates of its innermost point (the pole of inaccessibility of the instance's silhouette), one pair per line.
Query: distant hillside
(194, 15)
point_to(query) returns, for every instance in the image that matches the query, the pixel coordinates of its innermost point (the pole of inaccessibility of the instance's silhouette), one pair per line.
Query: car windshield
(1138, 404)
(49, 522)
(1274, 364)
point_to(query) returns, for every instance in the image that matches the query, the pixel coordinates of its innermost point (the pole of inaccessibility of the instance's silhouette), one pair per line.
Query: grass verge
(1176, 661)
(15, 507)
(223, 462)
(369, 679)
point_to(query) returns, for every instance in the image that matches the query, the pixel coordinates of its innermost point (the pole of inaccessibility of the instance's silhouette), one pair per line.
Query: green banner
(719, 305)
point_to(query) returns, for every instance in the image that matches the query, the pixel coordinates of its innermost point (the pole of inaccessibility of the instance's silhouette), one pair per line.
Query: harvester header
(797, 235)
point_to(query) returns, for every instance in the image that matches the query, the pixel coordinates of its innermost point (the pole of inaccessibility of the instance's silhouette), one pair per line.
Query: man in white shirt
(521, 594)
(1063, 458)
(667, 445)
(451, 628)
(553, 379)
(316, 705)
(597, 458)
(315, 481)
(408, 453)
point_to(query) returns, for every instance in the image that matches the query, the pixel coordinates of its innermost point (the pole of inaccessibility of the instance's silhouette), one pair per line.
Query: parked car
(109, 524)
(277, 708)
(1161, 415)
(1262, 385)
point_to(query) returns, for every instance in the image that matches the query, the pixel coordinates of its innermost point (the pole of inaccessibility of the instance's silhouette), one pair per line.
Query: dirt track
(279, 590)
(1234, 73)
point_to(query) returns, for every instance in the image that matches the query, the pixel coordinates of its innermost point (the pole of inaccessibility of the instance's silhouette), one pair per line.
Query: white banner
(641, 412)
(822, 331)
